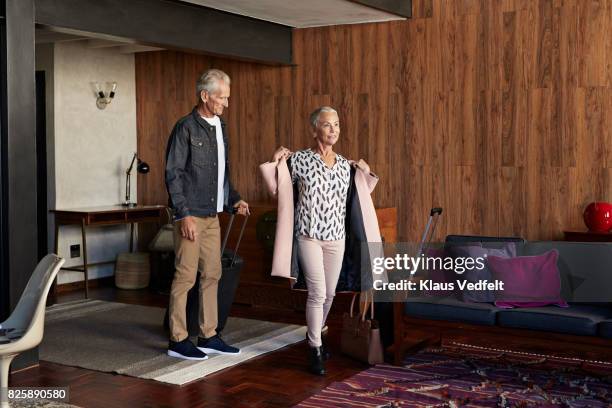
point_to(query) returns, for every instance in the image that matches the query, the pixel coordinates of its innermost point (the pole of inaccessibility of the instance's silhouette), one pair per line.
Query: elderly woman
(323, 182)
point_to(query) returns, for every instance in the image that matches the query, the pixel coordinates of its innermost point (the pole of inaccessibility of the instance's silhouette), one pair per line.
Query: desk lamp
(142, 168)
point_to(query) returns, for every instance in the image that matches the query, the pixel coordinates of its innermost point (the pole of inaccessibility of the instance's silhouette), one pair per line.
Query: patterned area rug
(468, 376)
(129, 339)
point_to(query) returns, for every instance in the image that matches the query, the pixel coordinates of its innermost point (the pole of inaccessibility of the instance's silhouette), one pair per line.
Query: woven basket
(132, 270)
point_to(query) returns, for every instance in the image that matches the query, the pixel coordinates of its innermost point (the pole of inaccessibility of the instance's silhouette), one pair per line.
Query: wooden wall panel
(500, 111)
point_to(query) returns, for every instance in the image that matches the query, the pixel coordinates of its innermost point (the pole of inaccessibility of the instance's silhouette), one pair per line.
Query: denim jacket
(192, 168)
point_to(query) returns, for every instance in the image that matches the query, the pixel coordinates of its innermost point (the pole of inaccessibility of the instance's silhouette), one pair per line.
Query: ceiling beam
(399, 7)
(172, 25)
(46, 37)
(97, 43)
(133, 48)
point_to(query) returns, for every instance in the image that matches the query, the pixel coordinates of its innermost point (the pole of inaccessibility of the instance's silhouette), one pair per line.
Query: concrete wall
(89, 148)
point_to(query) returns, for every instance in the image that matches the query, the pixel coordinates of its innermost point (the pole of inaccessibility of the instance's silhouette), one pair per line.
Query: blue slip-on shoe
(185, 350)
(215, 344)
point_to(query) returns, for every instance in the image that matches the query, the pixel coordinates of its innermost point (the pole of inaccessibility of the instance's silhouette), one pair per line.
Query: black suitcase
(384, 310)
(434, 214)
(231, 265)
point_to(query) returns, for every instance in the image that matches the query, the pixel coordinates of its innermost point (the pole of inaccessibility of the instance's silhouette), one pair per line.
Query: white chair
(23, 330)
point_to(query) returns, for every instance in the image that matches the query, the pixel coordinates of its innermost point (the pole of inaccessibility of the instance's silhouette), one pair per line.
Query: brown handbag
(360, 337)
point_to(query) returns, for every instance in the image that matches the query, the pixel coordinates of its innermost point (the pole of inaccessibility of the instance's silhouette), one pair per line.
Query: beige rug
(130, 340)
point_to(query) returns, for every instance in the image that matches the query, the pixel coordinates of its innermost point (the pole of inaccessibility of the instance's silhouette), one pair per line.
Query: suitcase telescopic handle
(227, 232)
(433, 214)
(244, 223)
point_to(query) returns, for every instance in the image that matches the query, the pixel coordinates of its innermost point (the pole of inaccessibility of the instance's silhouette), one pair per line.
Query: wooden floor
(279, 379)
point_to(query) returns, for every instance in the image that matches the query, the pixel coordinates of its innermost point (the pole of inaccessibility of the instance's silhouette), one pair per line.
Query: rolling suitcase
(231, 265)
(384, 310)
(434, 214)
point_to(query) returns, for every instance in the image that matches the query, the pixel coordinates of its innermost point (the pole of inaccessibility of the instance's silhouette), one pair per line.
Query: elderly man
(199, 187)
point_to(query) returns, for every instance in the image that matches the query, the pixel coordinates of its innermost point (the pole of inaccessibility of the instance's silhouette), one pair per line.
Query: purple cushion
(529, 281)
(475, 275)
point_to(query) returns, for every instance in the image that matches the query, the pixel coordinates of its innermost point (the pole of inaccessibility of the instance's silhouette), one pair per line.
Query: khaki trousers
(204, 254)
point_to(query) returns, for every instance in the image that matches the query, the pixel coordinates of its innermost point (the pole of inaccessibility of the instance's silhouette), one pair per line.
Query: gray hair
(314, 116)
(209, 81)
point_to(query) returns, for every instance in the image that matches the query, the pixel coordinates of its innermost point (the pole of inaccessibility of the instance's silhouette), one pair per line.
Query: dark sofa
(592, 320)
(579, 319)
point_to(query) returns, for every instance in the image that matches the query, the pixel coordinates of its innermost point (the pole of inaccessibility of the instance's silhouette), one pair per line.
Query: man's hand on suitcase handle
(242, 208)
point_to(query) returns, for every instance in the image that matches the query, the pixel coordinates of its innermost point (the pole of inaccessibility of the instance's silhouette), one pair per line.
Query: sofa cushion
(451, 309)
(605, 329)
(438, 274)
(529, 281)
(576, 319)
(475, 275)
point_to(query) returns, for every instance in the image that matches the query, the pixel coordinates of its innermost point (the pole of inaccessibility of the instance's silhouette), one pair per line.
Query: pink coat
(278, 180)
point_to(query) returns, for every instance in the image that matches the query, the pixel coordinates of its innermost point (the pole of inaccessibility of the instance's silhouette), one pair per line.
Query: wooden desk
(99, 217)
(587, 236)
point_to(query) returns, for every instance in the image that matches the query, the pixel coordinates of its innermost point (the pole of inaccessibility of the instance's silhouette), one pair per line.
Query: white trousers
(321, 262)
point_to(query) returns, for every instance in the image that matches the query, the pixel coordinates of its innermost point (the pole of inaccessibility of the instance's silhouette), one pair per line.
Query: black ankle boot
(324, 349)
(325, 352)
(317, 365)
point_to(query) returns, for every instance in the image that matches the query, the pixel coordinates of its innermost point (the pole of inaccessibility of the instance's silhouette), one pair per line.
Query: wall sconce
(102, 98)
(142, 168)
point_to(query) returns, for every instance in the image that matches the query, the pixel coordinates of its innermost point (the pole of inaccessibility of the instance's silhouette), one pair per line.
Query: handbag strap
(169, 215)
(365, 309)
(353, 303)
(371, 306)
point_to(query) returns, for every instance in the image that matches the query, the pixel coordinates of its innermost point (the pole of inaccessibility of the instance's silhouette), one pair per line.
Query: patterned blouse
(321, 207)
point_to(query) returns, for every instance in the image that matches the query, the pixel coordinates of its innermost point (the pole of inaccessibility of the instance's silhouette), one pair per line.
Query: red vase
(598, 216)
